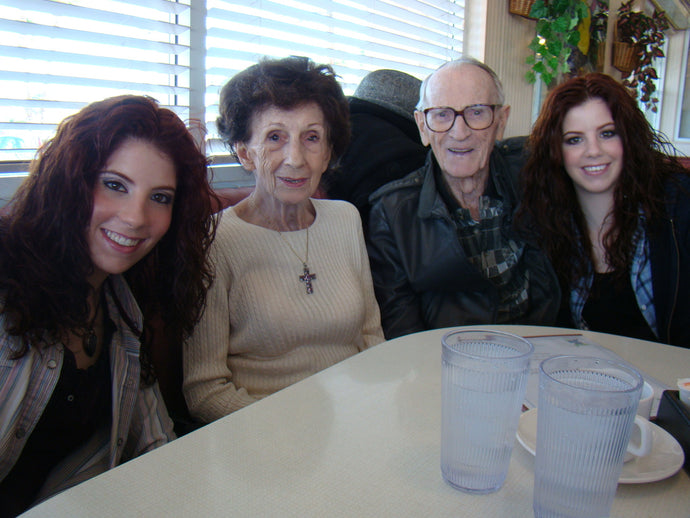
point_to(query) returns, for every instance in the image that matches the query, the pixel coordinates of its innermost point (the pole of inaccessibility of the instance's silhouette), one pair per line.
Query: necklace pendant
(306, 278)
(90, 343)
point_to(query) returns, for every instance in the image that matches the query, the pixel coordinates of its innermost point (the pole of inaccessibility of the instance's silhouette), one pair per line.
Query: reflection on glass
(684, 129)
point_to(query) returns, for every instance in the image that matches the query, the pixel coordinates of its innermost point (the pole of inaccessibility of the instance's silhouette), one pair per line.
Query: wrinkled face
(132, 207)
(462, 152)
(288, 151)
(592, 149)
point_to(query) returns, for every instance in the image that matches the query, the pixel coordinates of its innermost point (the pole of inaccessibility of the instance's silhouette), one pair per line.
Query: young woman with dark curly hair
(611, 207)
(110, 230)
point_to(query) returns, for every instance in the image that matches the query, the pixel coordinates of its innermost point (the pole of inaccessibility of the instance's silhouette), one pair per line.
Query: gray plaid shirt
(495, 255)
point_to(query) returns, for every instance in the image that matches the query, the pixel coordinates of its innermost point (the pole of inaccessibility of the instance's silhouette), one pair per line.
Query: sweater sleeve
(372, 333)
(208, 386)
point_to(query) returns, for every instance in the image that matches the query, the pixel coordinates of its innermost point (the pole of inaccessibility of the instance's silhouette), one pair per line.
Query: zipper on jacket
(675, 292)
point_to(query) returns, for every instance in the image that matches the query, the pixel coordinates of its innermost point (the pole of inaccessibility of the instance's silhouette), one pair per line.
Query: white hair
(465, 60)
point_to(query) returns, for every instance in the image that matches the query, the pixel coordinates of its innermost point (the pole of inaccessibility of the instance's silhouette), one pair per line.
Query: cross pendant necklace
(307, 277)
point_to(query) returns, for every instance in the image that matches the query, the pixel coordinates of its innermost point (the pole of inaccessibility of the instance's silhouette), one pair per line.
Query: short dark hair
(284, 83)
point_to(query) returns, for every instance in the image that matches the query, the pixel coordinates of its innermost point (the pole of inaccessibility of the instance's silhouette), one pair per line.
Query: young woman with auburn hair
(611, 206)
(110, 230)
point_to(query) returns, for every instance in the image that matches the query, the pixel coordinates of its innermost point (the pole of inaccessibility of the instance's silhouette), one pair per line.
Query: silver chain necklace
(306, 276)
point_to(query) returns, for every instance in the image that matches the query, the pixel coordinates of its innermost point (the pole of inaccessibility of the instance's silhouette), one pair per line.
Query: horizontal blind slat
(245, 30)
(169, 6)
(411, 25)
(26, 29)
(36, 7)
(430, 9)
(117, 6)
(89, 81)
(337, 49)
(83, 59)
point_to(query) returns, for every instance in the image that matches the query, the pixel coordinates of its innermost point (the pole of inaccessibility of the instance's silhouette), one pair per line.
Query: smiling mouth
(460, 151)
(293, 181)
(121, 240)
(594, 169)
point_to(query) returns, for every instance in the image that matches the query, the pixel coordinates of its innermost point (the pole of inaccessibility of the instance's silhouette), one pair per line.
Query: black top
(612, 308)
(79, 406)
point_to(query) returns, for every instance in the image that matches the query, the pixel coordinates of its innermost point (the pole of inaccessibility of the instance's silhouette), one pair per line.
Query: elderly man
(441, 244)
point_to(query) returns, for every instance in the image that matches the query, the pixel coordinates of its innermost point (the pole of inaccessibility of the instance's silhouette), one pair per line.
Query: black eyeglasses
(477, 117)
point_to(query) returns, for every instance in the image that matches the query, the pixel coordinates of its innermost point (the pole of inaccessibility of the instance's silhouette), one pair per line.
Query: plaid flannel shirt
(640, 278)
(495, 255)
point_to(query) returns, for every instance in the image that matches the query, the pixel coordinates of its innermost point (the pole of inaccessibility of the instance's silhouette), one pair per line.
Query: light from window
(58, 55)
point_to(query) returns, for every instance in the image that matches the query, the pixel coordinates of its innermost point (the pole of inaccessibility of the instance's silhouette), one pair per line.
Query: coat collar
(431, 202)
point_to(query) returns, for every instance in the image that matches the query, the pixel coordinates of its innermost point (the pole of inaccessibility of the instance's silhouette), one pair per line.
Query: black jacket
(422, 277)
(669, 243)
(385, 146)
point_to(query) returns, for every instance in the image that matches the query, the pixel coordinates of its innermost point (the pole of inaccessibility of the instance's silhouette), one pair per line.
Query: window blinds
(58, 55)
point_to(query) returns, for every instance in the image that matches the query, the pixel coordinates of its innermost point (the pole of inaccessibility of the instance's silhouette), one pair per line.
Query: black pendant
(90, 343)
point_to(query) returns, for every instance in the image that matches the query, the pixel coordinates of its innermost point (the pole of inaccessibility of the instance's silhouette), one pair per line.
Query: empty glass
(585, 415)
(483, 386)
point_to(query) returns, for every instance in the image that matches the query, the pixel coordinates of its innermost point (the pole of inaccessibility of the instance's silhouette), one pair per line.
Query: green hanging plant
(647, 35)
(557, 34)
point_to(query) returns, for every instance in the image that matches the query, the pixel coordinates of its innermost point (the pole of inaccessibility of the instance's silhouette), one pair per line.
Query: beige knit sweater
(261, 331)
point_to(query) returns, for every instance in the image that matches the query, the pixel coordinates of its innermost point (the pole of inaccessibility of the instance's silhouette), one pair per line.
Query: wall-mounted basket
(521, 7)
(625, 57)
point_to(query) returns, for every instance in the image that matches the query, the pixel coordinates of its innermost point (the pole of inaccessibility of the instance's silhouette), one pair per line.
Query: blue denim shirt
(640, 278)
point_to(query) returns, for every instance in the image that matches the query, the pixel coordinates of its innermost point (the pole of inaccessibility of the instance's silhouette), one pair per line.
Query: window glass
(684, 126)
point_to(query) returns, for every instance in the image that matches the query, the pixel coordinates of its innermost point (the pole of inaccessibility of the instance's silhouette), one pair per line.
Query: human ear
(502, 116)
(421, 126)
(243, 156)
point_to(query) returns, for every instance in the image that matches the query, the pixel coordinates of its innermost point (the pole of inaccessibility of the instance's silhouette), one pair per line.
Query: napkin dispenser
(674, 417)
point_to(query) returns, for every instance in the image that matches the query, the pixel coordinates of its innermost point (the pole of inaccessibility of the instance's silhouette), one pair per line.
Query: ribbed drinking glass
(483, 386)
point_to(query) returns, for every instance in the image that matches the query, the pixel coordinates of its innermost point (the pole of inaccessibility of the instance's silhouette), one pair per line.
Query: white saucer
(665, 459)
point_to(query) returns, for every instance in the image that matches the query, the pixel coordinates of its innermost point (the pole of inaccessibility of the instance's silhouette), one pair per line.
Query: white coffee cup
(641, 439)
(684, 390)
(644, 408)
(642, 436)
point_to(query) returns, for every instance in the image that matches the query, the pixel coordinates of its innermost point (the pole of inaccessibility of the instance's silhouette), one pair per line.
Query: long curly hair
(550, 205)
(285, 83)
(45, 258)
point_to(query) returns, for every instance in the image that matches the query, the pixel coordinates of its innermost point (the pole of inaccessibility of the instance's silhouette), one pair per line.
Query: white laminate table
(358, 439)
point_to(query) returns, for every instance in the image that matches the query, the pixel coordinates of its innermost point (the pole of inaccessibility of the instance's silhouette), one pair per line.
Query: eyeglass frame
(461, 113)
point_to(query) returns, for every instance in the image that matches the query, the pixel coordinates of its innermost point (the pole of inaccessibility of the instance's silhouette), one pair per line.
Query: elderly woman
(293, 291)
(612, 210)
(110, 228)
